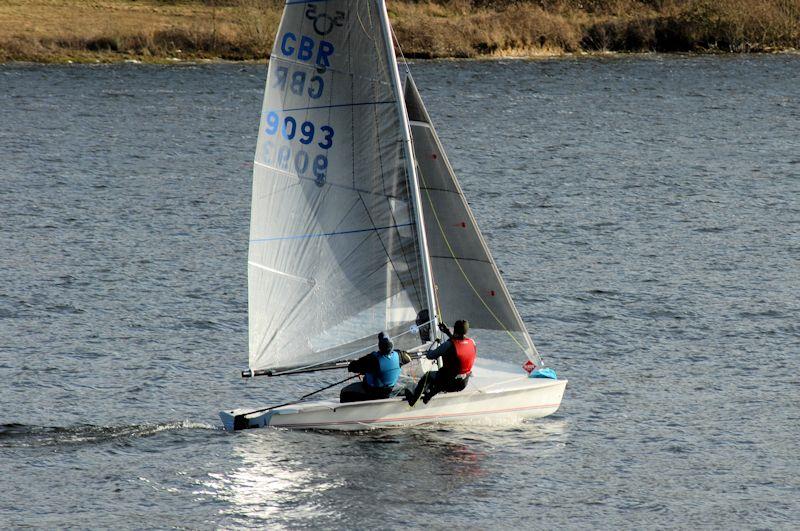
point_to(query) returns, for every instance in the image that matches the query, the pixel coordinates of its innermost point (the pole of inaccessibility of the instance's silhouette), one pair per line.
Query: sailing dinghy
(358, 225)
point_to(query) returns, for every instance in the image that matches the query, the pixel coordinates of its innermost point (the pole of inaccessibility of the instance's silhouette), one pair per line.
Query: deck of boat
(496, 390)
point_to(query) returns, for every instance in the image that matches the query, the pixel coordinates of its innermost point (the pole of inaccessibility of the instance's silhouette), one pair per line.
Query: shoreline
(189, 61)
(181, 31)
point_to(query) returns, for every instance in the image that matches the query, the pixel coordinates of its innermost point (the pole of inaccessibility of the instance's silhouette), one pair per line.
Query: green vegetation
(166, 30)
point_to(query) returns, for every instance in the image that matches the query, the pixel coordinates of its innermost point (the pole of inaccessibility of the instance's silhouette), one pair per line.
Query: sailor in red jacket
(458, 355)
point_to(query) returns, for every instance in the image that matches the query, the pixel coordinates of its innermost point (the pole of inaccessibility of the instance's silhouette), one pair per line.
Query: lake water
(645, 211)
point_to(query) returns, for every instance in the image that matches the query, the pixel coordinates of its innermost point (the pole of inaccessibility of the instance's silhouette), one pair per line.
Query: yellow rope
(464, 273)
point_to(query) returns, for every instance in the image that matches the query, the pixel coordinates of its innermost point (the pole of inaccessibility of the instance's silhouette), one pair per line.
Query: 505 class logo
(323, 22)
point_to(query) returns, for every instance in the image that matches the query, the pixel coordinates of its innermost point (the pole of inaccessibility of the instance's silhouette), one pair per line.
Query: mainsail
(337, 252)
(468, 283)
(335, 255)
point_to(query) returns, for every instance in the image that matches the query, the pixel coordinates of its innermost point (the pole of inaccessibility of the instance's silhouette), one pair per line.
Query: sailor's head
(385, 345)
(460, 328)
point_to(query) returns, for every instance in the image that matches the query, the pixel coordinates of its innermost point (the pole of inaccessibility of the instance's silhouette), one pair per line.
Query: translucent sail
(334, 255)
(468, 283)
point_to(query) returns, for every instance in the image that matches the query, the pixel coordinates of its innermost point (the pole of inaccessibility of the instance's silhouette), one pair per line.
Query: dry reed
(158, 30)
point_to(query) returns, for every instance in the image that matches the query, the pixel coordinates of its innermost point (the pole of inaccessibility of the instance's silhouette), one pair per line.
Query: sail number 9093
(305, 132)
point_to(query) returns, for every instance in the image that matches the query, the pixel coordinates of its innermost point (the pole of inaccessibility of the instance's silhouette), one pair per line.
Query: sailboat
(359, 225)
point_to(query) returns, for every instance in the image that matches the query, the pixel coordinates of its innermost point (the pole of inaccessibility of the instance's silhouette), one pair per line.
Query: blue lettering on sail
(315, 87)
(298, 82)
(284, 129)
(266, 152)
(304, 50)
(325, 51)
(286, 49)
(284, 152)
(320, 167)
(280, 158)
(280, 77)
(289, 130)
(298, 85)
(327, 142)
(301, 162)
(272, 123)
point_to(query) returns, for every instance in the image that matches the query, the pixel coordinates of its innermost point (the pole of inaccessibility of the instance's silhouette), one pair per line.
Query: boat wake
(23, 435)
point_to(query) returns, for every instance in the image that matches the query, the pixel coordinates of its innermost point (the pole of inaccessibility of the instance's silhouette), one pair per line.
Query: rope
(299, 399)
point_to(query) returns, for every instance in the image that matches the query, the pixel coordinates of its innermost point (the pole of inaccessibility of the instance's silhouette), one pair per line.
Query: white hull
(496, 392)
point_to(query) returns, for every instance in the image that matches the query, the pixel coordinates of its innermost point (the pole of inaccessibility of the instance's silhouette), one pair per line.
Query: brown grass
(161, 30)
(456, 28)
(695, 25)
(58, 30)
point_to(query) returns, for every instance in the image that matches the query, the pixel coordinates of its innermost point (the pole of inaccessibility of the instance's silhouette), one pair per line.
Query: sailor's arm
(363, 364)
(438, 351)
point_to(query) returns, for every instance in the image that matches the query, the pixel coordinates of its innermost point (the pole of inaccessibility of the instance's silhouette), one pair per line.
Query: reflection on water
(290, 478)
(271, 482)
(643, 211)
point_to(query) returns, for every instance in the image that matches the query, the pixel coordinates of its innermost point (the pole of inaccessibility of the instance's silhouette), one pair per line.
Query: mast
(416, 196)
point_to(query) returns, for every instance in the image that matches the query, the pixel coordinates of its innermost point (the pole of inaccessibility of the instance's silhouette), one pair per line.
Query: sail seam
(325, 234)
(340, 105)
(383, 245)
(274, 57)
(334, 185)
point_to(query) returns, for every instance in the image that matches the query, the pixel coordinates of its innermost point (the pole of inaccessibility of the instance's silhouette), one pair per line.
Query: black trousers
(435, 382)
(359, 392)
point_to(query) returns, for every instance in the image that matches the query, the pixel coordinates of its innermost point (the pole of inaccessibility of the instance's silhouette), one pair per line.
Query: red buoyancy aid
(466, 352)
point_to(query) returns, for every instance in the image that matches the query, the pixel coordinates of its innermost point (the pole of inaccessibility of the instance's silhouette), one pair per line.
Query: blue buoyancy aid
(388, 372)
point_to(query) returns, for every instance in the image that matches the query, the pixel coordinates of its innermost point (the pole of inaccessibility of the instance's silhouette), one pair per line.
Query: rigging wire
(399, 48)
(270, 408)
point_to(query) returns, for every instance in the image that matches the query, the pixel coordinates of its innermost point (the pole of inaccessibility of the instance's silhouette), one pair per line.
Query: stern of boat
(243, 419)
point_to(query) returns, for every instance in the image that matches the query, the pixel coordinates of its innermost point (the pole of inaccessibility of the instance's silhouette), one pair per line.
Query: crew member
(381, 369)
(458, 355)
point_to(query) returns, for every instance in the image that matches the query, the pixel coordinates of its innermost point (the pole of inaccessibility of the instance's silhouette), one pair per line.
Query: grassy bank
(169, 30)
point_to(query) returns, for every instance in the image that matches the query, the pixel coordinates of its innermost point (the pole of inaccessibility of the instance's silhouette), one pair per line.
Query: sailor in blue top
(381, 370)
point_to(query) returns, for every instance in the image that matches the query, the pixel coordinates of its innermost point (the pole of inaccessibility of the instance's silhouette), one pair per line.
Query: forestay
(468, 283)
(333, 253)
